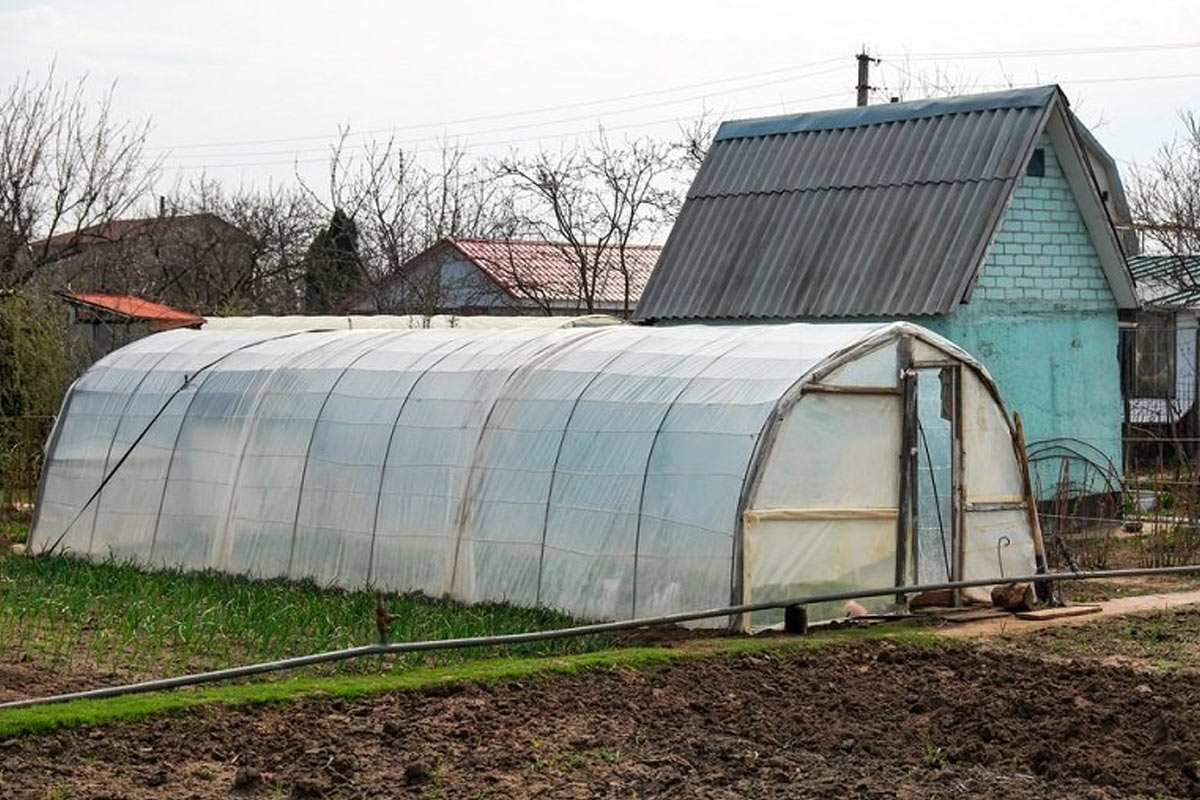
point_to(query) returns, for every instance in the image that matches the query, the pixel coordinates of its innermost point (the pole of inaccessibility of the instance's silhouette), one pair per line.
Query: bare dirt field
(867, 719)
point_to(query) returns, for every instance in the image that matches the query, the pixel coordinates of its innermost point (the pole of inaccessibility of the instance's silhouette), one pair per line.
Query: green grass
(49, 718)
(13, 530)
(111, 618)
(1166, 640)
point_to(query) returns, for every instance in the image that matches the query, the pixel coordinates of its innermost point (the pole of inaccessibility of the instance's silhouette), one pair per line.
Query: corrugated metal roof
(878, 211)
(1167, 281)
(553, 267)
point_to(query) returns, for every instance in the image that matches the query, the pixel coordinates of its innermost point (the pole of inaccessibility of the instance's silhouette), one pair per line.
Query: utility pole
(864, 69)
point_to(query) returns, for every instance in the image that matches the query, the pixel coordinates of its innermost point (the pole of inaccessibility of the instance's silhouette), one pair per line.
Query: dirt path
(867, 721)
(1117, 607)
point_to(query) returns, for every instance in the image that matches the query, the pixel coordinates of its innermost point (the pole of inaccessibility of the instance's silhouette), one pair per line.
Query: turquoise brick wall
(1043, 319)
(1043, 254)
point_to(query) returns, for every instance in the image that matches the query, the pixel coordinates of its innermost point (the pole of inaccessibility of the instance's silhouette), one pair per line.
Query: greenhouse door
(936, 533)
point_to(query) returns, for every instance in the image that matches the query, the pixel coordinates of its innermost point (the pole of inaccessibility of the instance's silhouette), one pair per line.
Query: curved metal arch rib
(370, 344)
(637, 541)
(535, 360)
(388, 449)
(205, 372)
(117, 429)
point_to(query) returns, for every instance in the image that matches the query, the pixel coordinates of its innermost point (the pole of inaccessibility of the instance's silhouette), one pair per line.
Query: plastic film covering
(602, 471)
(839, 455)
(596, 470)
(298, 322)
(994, 487)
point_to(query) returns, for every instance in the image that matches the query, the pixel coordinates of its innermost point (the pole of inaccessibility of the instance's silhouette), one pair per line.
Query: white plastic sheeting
(608, 472)
(298, 322)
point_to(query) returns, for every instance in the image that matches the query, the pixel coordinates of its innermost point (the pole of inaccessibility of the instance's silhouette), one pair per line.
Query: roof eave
(1076, 169)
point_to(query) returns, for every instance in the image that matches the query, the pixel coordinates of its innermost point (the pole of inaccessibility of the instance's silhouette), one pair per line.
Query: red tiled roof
(138, 308)
(551, 270)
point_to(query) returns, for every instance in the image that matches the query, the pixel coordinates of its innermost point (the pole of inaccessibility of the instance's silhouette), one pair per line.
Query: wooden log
(1013, 596)
(933, 598)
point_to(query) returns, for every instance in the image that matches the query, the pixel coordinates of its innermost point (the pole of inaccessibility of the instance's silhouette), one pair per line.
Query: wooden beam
(835, 389)
(754, 515)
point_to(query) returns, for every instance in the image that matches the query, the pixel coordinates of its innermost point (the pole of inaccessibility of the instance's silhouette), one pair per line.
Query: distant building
(1159, 353)
(197, 261)
(104, 322)
(505, 276)
(988, 218)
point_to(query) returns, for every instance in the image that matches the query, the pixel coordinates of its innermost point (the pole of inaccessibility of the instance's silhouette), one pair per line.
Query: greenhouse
(610, 472)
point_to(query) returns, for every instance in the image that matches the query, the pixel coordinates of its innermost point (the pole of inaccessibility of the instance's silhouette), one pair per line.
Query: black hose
(566, 633)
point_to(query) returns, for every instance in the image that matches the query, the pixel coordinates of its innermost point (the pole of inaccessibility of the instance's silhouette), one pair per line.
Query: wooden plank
(835, 389)
(908, 460)
(754, 515)
(965, 615)
(1057, 613)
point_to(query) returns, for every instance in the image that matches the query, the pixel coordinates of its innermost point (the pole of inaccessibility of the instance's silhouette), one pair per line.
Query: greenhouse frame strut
(566, 633)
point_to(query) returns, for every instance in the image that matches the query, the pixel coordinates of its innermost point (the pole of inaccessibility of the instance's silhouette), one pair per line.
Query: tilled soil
(21, 679)
(864, 720)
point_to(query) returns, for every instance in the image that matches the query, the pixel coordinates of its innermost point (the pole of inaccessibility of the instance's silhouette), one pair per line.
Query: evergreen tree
(332, 268)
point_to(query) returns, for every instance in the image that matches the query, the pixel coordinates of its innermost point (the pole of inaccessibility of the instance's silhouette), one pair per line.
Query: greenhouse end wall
(603, 472)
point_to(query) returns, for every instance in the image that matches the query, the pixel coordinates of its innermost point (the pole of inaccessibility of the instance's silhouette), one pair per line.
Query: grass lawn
(1167, 640)
(112, 619)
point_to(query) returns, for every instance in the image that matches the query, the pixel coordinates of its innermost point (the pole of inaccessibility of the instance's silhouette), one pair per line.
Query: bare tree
(403, 206)
(909, 83)
(66, 166)
(592, 203)
(695, 137)
(279, 223)
(1165, 194)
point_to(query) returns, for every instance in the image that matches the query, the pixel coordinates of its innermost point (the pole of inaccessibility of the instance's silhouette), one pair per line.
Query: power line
(525, 125)
(1016, 84)
(1113, 49)
(1075, 51)
(1117, 79)
(477, 145)
(510, 114)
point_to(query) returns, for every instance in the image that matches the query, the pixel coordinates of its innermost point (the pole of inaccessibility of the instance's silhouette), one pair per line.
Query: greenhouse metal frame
(608, 472)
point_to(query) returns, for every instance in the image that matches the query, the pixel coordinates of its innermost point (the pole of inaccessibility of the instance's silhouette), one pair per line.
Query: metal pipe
(566, 633)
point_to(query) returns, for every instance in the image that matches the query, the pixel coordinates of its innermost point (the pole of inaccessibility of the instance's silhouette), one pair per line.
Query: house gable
(1043, 255)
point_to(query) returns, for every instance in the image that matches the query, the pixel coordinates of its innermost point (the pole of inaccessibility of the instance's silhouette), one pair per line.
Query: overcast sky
(224, 81)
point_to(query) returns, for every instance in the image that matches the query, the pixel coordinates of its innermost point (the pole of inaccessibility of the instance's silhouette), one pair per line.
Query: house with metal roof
(101, 323)
(979, 216)
(1160, 362)
(472, 276)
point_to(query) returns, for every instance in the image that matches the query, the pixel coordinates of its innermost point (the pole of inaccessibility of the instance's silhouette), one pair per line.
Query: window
(1151, 365)
(1037, 164)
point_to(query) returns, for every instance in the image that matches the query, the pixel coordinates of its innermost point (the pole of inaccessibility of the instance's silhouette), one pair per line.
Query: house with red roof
(196, 261)
(472, 276)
